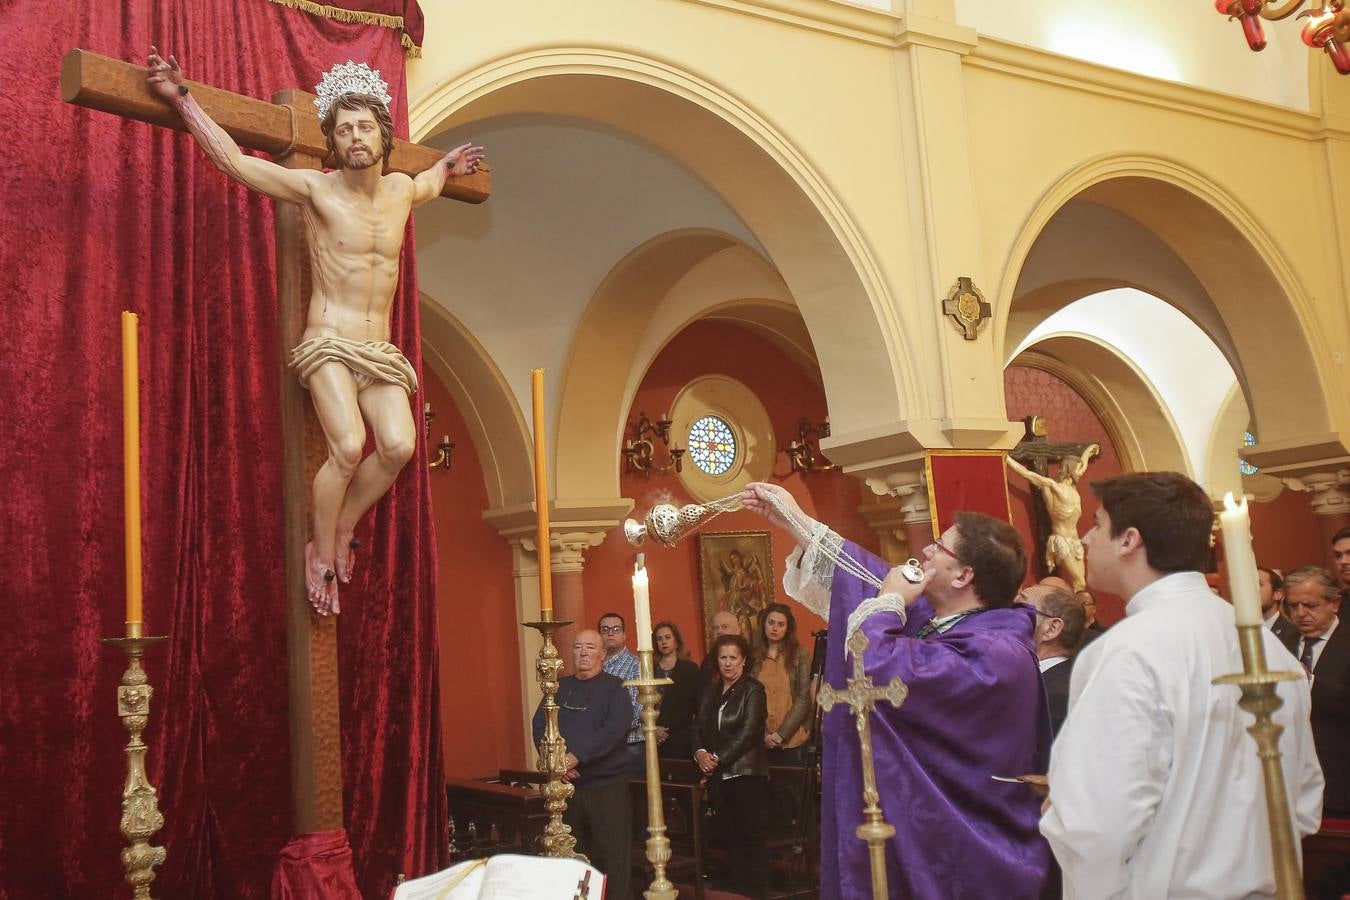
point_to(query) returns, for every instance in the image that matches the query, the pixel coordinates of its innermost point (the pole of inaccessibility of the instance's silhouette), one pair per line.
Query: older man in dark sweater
(594, 711)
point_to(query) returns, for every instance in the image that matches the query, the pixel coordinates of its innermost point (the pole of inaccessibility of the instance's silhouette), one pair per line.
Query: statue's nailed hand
(164, 77)
(463, 160)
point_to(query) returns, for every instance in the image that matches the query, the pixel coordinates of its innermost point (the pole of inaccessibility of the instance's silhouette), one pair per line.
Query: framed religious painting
(735, 572)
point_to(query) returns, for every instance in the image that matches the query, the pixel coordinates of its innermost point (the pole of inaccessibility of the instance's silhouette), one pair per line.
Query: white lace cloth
(810, 576)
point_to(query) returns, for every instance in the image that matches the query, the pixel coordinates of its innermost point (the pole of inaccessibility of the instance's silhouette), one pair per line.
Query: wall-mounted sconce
(804, 452)
(443, 450)
(639, 452)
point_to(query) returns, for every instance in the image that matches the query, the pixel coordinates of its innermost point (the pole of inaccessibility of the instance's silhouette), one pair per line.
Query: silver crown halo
(350, 78)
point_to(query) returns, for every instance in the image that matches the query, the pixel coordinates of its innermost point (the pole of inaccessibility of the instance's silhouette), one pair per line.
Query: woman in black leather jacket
(729, 733)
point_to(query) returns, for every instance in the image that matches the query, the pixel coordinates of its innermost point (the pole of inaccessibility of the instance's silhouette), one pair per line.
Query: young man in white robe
(1155, 786)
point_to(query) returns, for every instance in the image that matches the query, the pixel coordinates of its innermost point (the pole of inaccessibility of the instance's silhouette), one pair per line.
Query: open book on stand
(508, 877)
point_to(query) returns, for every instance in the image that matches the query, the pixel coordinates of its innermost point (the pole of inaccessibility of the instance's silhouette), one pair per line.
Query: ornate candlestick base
(558, 839)
(658, 845)
(1259, 698)
(141, 817)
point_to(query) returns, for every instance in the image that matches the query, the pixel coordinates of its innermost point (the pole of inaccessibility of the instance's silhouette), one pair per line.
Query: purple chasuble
(975, 709)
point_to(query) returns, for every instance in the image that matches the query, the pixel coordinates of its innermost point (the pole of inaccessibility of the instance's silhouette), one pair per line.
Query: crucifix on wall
(318, 223)
(1057, 505)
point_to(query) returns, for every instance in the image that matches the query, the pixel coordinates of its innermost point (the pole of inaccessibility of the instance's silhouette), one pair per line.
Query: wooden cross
(1037, 454)
(861, 695)
(287, 128)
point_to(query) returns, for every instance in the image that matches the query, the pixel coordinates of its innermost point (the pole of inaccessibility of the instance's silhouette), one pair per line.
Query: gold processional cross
(861, 696)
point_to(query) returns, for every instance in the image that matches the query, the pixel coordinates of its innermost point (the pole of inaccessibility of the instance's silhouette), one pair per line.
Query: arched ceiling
(519, 270)
(1181, 364)
(1176, 40)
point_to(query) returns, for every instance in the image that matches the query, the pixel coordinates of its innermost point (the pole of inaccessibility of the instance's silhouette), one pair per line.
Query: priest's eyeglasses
(945, 549)
(611, 629)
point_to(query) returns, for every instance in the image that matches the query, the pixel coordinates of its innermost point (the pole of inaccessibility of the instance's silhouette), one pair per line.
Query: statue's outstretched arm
(166, 82)
(463, 160)
(1089, 452)
(1035, 478)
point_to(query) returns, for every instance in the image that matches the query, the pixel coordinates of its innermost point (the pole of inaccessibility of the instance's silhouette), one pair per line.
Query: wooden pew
(1326, 861)
(794, 848)
(488, 818)
(684, 807)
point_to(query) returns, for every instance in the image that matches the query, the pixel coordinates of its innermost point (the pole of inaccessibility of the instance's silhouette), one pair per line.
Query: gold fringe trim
(351, 15)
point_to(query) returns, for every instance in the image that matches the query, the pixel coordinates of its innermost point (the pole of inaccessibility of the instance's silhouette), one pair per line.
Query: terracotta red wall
(1285, 533)
(479, 635)
(1033, 392)
(787, 393)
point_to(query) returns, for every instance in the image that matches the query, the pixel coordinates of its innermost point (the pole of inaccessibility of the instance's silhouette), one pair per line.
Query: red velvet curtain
(100, 215)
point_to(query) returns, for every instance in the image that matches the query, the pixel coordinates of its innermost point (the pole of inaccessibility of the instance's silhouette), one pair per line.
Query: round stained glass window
(1246, 468)
(712, 445)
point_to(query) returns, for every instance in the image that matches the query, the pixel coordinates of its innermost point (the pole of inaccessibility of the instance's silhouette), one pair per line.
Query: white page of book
(505, 877)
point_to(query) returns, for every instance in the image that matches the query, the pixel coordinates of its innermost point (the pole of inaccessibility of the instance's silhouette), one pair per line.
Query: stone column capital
(569, 549)
(1330, 492)
(910, 491)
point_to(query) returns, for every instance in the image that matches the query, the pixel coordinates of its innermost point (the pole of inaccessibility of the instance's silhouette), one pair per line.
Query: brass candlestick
(1260, 699)
(141, 817)
(658, 845)
(861, 696)
(557, 839)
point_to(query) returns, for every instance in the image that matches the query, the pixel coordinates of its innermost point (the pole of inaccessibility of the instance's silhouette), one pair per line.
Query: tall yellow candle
(131, 464)
(541, 494)
(1237, 552)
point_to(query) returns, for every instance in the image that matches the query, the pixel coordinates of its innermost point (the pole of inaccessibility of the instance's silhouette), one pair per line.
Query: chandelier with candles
(1327, 28)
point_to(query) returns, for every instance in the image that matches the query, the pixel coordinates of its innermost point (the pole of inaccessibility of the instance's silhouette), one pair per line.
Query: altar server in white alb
(1155, 786)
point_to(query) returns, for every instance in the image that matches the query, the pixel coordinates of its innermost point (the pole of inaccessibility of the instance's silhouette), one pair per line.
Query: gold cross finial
(862, 695)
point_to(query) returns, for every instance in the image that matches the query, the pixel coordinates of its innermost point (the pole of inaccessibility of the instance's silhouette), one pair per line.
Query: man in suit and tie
(1060, 620)
(1314, 602)
(1272, 608)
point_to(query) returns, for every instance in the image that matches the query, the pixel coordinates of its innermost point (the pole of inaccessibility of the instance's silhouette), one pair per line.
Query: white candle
(642, 610)
(1237, 551)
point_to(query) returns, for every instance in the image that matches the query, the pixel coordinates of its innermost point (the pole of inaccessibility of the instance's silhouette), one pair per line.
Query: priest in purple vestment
(975, 709)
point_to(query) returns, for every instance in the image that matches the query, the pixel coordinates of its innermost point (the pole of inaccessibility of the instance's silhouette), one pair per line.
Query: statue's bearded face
(357, 139)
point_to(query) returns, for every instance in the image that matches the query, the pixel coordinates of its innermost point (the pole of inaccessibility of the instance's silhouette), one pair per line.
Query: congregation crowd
(1140, 748)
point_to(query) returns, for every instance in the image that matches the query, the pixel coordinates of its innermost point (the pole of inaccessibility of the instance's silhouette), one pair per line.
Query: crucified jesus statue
(355, 218)
(1063, 548)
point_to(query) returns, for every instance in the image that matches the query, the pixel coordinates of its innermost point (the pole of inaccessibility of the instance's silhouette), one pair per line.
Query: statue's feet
(320, 583)
(345, 561)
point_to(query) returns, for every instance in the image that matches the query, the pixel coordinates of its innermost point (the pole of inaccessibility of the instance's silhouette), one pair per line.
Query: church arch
(1152, 224)
(1134, 416)
(830, 273)
(647, 298)
(496, 424)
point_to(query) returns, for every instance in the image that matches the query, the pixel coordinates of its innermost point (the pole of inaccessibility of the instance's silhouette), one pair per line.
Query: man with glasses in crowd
(1059, 629)
(975, 709)
(623, 663)
(1324, 650)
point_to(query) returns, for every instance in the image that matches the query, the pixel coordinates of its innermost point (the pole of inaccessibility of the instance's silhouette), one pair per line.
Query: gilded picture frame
(735, 570)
